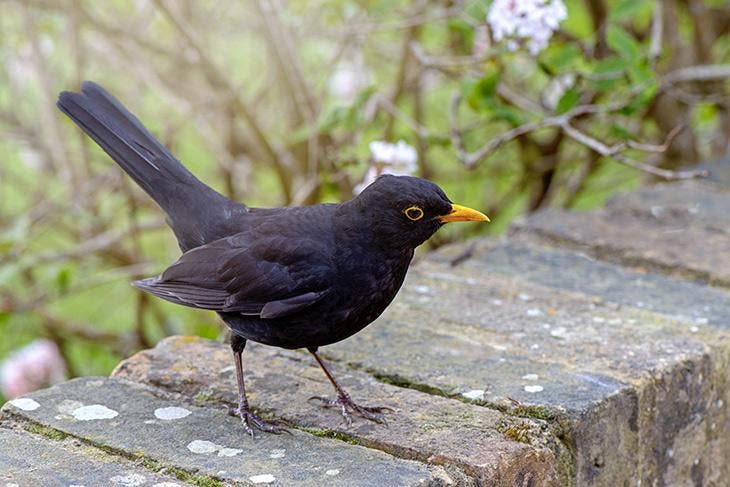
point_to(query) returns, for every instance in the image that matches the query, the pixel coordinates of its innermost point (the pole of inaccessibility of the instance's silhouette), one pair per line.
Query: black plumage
(288, 277)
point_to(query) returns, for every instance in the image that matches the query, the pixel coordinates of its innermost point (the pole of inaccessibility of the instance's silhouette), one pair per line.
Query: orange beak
(460, 213)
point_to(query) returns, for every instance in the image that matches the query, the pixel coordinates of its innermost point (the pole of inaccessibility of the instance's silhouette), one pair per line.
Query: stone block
(36, 460)
(142, 423)
(487, 445)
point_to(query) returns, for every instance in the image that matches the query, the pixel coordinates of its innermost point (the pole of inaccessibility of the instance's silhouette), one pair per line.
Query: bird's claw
(348, 406)
(253, 422)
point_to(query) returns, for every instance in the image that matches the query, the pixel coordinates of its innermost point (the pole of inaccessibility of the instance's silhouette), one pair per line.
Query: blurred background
(510, 106)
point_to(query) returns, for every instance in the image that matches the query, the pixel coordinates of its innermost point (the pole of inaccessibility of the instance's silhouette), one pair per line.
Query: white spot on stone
(266, 478)
(558, 332)
(95, 383)
(277, 453)
(546, 326)
(205, 447)
(534, 346)
(25, 403)
(473, 394)
(701, 321)
(524, 297)
(131, 480)
(720, 403)
(171, 412)
(599, 319)
(530, 377)
(166, 484)
(497, 302)
(333, 471)
(534, 312)
(640, 304)
(614, 321)
(694, 329)
(533, 389)
(421, 289)
(11, 485)
(228, 452)
(94, 411)
(202, 446)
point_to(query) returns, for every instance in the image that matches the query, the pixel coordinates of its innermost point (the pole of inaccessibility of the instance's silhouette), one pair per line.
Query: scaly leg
(344, 402)
(249, 419)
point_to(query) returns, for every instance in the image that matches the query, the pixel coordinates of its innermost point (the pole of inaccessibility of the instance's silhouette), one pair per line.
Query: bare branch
(657, 28)
(616, 152)
(657, 148)
(702, 72)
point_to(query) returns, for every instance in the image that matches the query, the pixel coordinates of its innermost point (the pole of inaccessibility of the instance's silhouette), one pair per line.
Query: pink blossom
(37, 365)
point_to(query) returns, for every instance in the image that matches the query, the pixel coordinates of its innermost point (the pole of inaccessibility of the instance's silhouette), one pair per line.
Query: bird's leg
(250, 420)
(344, 402)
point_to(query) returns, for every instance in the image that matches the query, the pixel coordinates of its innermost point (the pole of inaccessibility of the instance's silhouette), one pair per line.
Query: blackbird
(300, 277)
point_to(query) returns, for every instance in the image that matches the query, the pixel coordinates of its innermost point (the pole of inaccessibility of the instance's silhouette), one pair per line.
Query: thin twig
(702, 72)
(657, 28)
(616, 152)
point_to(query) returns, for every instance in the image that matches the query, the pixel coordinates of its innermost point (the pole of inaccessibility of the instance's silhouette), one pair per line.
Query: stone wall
(581, 349)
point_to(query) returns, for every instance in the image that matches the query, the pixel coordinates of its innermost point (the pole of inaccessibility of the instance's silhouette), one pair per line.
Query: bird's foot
(253, 422)
(348, 406)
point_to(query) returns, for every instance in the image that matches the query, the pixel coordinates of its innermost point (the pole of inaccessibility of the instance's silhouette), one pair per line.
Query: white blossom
(399, 159)
(525, 21)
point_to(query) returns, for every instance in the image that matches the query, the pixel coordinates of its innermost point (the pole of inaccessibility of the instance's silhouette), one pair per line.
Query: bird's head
(402, 212)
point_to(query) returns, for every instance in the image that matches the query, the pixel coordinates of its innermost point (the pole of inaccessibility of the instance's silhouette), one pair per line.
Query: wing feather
(247, 274)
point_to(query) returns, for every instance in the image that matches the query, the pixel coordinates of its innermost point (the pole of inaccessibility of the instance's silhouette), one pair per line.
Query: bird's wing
(270, 277)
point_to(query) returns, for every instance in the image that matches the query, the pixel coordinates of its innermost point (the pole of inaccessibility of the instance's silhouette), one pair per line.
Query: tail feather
(124, 138)
(190, 204)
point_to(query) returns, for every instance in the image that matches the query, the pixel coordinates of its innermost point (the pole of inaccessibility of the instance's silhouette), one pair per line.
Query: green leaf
(622, 43)
(63, 279)
(608, 73)
(641, 74)
(508, 114)
(483, 91)
(620, 132)
(567, 101)
(641, 100)
(481, 95)
(559, 58)
(626, 10)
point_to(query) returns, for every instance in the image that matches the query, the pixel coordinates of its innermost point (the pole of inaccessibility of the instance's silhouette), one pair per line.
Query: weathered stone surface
(680, 203)
(606, 369)
(683, 239)
(424, 427)
(577, 272)
(34, 460)
(125, 417)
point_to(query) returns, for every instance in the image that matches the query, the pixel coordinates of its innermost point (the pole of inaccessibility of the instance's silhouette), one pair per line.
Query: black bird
(288, 277)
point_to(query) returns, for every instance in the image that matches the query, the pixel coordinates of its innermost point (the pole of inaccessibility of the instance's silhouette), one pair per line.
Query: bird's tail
(184, 198)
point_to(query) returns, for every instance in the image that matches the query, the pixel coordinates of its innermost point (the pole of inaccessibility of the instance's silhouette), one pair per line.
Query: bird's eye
(413, 213)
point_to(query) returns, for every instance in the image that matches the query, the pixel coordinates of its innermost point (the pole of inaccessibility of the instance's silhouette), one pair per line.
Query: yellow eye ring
(413, 213)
